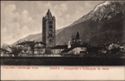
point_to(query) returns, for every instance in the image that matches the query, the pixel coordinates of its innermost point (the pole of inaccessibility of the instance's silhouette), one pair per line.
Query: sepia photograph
(63, 33)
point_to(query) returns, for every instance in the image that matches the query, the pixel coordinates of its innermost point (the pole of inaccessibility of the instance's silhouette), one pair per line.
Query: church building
(49, 31)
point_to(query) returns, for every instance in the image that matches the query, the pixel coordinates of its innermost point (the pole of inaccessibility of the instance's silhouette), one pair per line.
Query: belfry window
(50, 26)
(50, 22)
(50, 35)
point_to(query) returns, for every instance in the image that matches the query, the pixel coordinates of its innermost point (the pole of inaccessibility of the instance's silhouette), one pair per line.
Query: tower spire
(49, 13)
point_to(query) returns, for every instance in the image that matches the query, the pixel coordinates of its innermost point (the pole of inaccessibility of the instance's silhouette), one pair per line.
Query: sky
(22, 18)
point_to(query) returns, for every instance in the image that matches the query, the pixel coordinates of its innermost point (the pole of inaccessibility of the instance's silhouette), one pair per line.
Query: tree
(15, 50)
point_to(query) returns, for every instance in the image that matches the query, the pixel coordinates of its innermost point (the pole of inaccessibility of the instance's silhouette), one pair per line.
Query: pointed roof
(49, 13)
(77, 35)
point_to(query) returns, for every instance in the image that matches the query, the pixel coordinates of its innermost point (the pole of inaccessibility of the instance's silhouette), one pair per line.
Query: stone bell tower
(48, 30)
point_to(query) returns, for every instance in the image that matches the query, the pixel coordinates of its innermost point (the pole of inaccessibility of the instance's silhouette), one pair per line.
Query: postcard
(63, 40)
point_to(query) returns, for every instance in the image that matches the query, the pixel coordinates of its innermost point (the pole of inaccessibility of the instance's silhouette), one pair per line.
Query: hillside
(104, 24)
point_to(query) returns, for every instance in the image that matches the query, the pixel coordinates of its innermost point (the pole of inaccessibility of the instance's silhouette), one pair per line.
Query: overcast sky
(22, 18)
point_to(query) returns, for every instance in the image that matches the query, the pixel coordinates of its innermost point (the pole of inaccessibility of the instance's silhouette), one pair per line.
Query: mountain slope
(105, 24)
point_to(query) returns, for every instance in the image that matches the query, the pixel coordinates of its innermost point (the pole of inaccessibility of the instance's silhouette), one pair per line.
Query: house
(58, 49)
(78, 50)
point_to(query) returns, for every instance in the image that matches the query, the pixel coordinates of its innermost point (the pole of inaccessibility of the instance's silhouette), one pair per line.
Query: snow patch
(100, 5)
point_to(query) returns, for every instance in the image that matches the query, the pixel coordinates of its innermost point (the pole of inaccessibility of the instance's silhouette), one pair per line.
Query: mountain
(102, 25)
